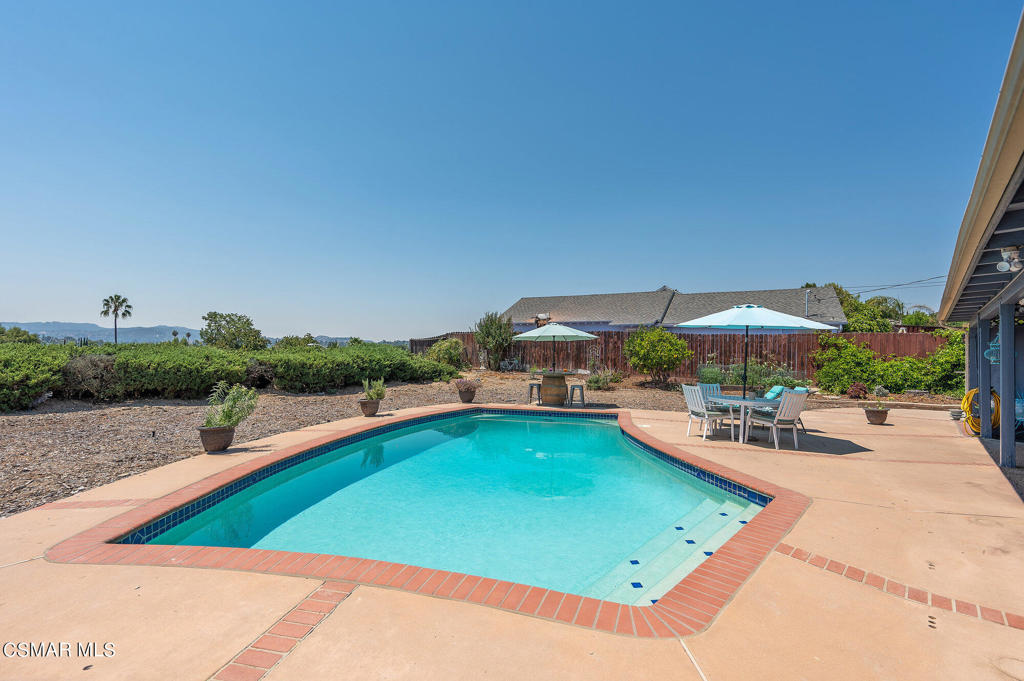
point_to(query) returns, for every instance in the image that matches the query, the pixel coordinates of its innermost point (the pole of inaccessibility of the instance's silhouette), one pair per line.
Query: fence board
(793, 350)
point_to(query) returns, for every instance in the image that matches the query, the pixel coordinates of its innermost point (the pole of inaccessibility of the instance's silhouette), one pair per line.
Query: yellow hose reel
(972, 420)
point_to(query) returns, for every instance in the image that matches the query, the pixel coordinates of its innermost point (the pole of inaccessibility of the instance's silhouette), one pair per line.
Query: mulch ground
(65, 446)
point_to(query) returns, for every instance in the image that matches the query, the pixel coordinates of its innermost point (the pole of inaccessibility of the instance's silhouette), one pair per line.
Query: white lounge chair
(708, 414)
(786, 416)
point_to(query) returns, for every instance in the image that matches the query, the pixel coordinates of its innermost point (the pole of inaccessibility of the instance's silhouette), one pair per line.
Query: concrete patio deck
(911, 551)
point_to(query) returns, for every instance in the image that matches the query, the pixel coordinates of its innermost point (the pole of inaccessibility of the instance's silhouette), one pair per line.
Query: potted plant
(876, 413)
(467, 388)
(374, 393)
(229, 406)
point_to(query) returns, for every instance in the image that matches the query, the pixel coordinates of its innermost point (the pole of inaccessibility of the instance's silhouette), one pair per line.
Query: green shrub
(173, 370)
(374, 390)
(28, 371)
(601, 380)
(448, 351)
(655, 351)
(230, 405)
(841, 363)
(494, 334)
(302, 371)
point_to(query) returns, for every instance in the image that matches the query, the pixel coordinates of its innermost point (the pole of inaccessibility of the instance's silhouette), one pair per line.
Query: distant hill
(95, 332)
(57, 331)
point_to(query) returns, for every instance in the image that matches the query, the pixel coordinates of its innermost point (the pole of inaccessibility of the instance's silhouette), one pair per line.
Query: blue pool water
(565, 504)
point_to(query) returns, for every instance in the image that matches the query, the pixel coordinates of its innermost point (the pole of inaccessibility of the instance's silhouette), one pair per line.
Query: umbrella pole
(552, 355)
(746, 340)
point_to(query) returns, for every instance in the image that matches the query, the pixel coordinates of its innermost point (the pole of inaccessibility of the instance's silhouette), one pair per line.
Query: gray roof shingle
(669, 306)
(822, 303)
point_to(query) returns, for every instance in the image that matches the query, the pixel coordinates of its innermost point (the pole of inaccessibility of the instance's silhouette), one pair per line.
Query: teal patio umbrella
(749, 317)
(554, 332)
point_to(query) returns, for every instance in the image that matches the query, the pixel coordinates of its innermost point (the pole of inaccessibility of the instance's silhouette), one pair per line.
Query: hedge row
(171, 370)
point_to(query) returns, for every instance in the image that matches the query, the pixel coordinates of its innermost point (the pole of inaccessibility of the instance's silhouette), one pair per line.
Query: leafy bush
(760, 373)
(857, 391)
(841, 363)
(602, 380)
(173, 370)
(374, 390)
(229, 405)
(177, 370)
(494, 334)
(655, 351)
(448, 351)
(28, 371)
(89, 375)
(303, 371)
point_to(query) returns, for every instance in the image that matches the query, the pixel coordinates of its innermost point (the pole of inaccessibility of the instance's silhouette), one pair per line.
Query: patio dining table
(745, 404)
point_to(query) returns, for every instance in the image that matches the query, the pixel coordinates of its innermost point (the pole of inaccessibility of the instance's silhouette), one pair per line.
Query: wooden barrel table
(553, 390)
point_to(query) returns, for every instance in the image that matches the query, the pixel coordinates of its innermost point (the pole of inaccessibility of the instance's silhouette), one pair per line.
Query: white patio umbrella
(749, 317)
(554, 332)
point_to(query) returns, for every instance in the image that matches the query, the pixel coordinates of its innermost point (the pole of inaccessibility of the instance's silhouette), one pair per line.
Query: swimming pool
(568, 504)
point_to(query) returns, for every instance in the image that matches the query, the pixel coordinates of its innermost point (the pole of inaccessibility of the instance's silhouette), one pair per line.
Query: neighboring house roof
(619, 309)
(668, 306)
(822, 303)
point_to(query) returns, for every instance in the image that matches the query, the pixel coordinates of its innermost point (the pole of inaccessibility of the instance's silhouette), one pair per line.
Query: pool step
(674, 575)
(652, 575)
(646, 552)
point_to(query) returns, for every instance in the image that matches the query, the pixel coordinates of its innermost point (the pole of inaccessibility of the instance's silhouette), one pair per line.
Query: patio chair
(786, 416)
(775, 393)
(708, 415)
(709, 389)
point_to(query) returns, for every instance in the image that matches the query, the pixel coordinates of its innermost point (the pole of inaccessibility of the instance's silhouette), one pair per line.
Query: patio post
(984, 380)
(971, 375)
(1007, 387)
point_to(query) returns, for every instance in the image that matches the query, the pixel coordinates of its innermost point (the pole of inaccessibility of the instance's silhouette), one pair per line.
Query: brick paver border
(901, 590)
(687, 608)
(274, 644)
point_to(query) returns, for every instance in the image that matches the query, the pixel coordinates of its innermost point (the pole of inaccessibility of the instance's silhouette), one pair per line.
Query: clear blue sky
(396, 169)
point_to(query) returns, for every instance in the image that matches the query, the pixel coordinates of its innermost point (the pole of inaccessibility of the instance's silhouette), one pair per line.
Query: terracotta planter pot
(876, 417)
(216, 439)
(369, 407)
(467, 395)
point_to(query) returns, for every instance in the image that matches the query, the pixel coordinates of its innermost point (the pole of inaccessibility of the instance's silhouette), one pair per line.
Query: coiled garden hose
(972, 419)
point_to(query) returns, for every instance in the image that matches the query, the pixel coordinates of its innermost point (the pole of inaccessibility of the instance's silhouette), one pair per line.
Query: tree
(231, 331)
(655, 351)
(174, 336)
(860, 316)
(296, 342)
(116, 306)
(494, 334)
(891, 308)
(188, 337)
(16, 334)
(918, 318)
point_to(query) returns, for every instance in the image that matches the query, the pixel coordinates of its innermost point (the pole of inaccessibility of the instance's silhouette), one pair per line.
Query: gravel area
(65, 447)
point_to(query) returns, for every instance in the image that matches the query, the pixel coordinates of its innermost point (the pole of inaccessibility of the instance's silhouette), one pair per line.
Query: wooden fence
(793, 350)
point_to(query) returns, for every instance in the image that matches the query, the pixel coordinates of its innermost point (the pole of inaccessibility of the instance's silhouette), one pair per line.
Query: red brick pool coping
(689, 607)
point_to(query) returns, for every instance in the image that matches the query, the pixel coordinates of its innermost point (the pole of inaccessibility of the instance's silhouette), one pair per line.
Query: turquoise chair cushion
(799, 389)
(775, 392)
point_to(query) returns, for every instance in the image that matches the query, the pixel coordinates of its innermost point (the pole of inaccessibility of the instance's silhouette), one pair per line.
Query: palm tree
(118, 306)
